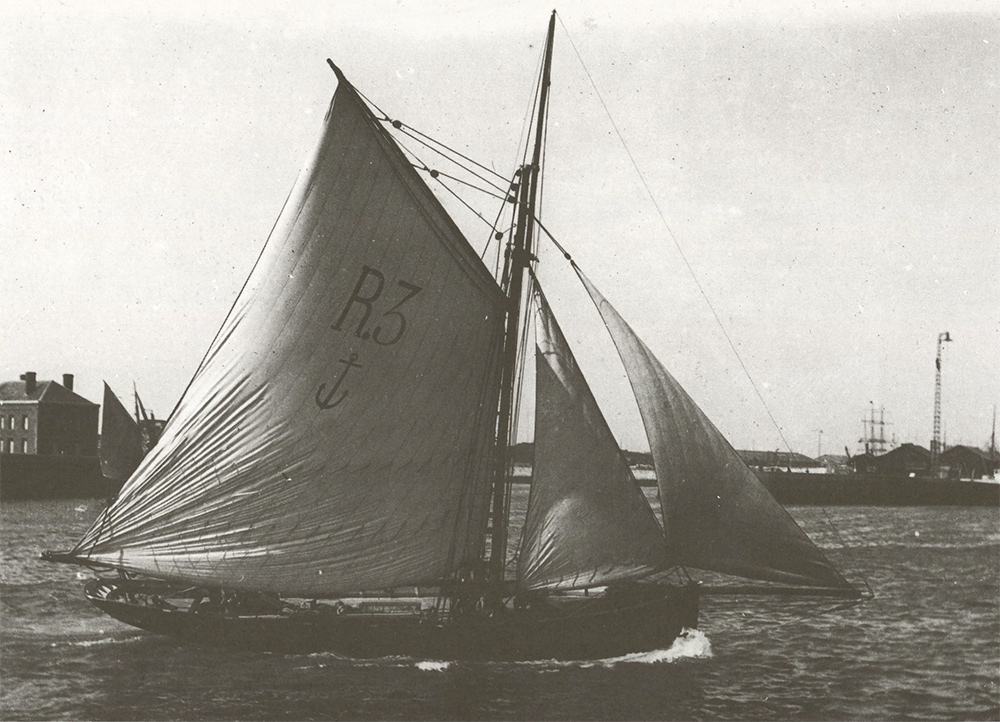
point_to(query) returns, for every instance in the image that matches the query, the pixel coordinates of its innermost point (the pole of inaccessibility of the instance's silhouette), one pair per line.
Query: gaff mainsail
(339, 434)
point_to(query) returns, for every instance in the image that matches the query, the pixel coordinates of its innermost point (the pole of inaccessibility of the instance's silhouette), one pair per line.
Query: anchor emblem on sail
(328, 403)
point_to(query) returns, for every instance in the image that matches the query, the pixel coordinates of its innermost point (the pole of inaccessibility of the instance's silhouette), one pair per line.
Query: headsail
(121, 439)
(717, 515)
(588, 522)
(338, 435)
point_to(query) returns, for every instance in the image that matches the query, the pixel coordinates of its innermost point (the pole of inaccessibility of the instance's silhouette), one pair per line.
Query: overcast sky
(829, 172)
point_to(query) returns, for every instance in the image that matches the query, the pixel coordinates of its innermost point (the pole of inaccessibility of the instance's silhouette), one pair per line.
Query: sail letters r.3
(389, 329)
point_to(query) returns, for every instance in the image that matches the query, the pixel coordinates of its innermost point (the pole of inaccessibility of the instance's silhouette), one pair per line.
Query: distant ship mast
(993, 444)
(936, 439)
(873, 434)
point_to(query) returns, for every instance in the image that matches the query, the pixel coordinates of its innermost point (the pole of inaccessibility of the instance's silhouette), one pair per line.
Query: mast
(520, 253)
(993, 444)
(874, 442)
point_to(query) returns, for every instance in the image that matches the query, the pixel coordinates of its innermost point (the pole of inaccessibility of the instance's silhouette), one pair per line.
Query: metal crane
(936, 439)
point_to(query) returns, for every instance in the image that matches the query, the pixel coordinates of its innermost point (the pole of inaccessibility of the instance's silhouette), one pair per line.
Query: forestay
(588, 522)
(339, 433)
(716, 513)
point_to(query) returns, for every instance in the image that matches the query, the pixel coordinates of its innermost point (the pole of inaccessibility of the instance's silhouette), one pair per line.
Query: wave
(988, 545)
(84, 639)
(106, 641)
(11, 587)
(429, 666)
(690, 644)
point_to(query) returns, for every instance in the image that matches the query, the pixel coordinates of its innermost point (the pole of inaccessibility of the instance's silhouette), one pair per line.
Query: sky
(788, 201)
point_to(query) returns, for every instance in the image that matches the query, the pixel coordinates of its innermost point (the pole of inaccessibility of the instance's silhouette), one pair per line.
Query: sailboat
(121, 439)
(337, 474)
(124, 440)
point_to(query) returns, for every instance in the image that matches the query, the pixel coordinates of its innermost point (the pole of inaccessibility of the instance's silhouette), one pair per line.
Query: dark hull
(591, 629)
(873, 490)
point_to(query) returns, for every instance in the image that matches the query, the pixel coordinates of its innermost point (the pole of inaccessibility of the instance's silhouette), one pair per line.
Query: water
(927, 647)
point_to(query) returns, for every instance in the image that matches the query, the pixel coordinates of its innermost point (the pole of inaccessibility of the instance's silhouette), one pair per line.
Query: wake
(690, 644)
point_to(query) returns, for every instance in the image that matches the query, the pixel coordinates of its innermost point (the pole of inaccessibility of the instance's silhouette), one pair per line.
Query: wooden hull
(587, 628)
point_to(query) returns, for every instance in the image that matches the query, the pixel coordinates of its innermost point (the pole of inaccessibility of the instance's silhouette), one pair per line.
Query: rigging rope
(435, 174)
(400, 125)
(691, 271)
(676, 243)
(466, 204)
(438, 174)
(427, 141)
(404, 129)
(515, 415)
(843, 544)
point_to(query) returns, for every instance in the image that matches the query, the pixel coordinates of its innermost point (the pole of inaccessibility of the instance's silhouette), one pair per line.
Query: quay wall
(31, 476)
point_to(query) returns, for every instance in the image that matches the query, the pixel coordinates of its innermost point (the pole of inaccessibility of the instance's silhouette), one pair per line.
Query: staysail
(338, 435)
(587, 522)
(121, 439)
(717, 515)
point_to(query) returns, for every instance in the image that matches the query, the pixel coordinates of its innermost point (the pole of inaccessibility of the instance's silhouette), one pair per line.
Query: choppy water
(927, 647)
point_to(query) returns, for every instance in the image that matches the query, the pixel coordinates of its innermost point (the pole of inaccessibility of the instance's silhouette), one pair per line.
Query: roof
(48, 392)
(906, 450)
(754, 457)
(960, 449)
(833, 458)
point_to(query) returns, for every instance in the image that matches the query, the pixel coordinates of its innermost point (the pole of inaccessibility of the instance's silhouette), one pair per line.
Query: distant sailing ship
(336, 475)
(124, 440)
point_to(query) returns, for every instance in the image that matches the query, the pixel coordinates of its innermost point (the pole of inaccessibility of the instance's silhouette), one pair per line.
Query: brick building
(46, 418)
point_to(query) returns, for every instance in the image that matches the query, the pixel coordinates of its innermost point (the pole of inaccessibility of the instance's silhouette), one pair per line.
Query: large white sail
(338, 435)
(588, 522)
(716, 513)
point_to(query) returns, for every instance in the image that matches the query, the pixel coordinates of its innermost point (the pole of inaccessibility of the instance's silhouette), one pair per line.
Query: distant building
(904, 460)
(781, 461)
(835, 463)
(46, 418)
(967, 462)
(865, 463)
